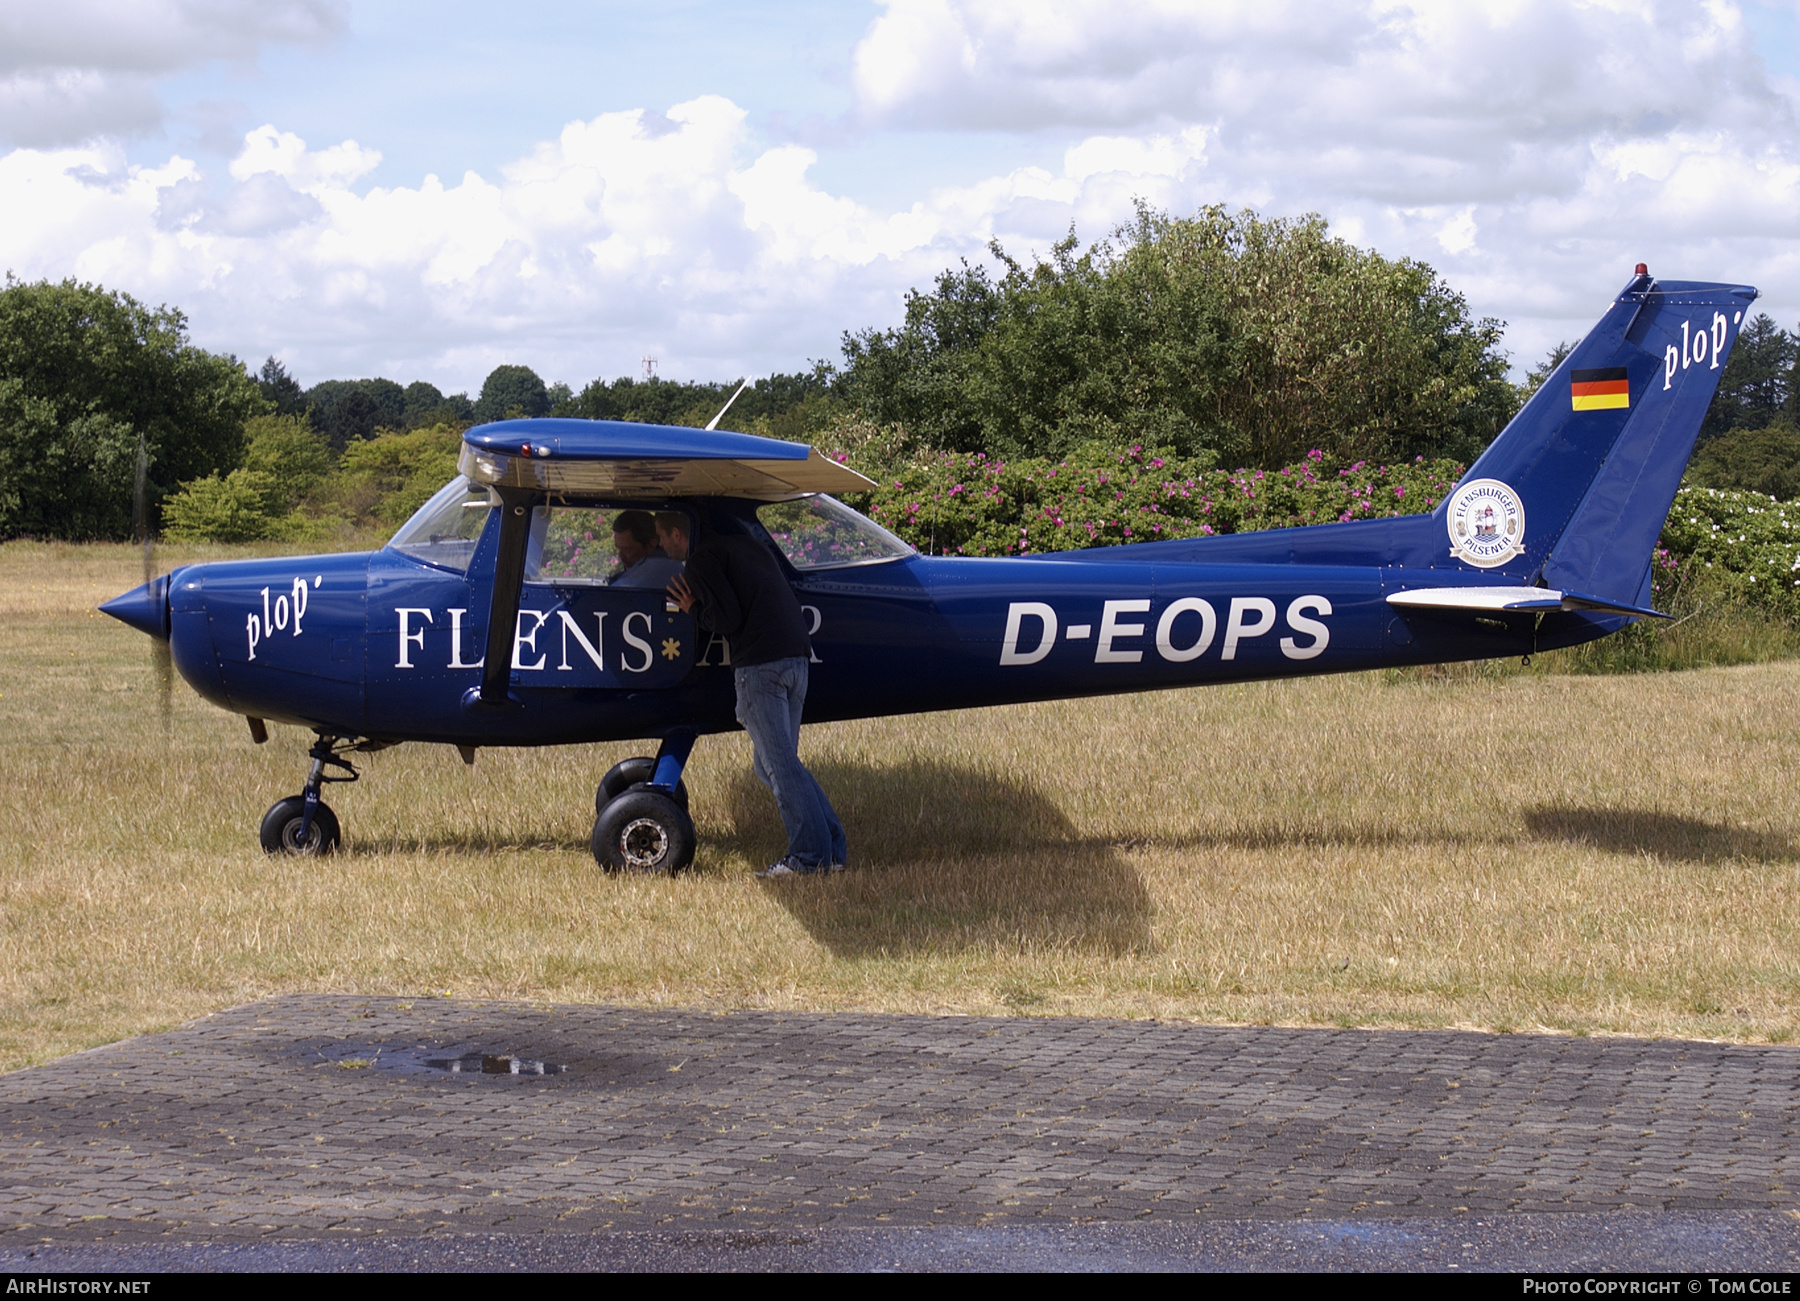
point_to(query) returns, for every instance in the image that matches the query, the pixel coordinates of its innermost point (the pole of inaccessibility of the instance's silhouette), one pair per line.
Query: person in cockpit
(643, 561)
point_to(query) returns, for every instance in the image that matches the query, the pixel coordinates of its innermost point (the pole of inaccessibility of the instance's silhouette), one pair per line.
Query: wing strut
(509, 581)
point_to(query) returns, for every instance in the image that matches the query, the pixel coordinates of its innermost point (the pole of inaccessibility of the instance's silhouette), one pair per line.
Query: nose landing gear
(304, 824)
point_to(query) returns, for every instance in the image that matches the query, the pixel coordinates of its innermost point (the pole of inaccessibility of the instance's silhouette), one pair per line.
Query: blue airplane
(496, 616)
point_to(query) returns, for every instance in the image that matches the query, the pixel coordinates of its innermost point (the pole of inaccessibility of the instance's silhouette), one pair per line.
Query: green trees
(296, 458)
(286, 463)
(391, 476)
(236, 508)
(84, 374)
(776, 406)
(280, 390)
(349, 410)
(1765, 460)
(427, 405)
(1758, 387)
(1253, 339)
(512, 391)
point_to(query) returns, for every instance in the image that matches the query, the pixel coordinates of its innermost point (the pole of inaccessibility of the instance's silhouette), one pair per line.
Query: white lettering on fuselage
(1165, 630)
(595, 650)
(1016, 614)
(290, 607)
(1111, 630)
(414, 621)
(1035, 623)
(1237, 630)
(1297, 620)
(456, 642)
(637, 643)
(407, 637)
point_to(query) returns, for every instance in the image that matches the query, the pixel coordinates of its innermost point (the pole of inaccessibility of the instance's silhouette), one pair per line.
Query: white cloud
(77, 69)
(636, 231)
(284, 154)
(1164, 155)
(1531, 149)
(1532, 153)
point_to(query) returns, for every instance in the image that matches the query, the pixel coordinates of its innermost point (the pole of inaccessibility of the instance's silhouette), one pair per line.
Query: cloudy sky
(419, 190)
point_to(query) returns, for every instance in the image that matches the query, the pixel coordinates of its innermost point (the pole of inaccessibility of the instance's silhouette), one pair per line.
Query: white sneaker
(784, 867)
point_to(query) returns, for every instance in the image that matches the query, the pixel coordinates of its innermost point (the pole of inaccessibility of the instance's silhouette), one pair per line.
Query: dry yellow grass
(1585, 854)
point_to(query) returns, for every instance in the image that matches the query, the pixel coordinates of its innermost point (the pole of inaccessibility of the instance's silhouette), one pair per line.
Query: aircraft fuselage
(380, 645)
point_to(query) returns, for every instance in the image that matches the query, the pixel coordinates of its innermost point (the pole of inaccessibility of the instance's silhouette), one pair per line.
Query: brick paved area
(263, 1121)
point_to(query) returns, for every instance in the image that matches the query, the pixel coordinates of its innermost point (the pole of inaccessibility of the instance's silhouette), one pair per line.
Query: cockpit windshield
(820, 532)
(445, 529)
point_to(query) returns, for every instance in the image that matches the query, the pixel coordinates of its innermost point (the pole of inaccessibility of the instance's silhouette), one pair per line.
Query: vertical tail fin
(1595, 457)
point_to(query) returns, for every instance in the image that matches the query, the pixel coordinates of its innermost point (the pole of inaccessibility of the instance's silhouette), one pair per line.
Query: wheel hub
(643, 844)
(290, 838)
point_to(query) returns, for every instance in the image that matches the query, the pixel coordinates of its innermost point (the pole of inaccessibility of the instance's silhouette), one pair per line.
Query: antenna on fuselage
(714, 422)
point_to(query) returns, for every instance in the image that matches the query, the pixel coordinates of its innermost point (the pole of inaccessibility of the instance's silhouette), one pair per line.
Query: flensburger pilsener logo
(1487, 523)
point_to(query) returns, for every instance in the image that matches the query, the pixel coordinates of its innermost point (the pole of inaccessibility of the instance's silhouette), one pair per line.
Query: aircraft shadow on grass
(946, 858)
(1665, 835)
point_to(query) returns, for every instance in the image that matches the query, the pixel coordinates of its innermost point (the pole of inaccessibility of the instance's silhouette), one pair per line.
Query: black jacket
(742, 595)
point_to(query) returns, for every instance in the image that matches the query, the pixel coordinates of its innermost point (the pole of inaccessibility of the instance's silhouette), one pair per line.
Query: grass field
(1506, 850)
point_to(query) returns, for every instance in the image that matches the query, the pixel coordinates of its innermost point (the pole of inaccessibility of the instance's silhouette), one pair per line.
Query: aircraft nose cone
(145, 608)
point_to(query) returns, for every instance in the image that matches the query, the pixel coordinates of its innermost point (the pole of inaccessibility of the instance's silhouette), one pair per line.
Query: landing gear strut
(304, 824)
(643, 823)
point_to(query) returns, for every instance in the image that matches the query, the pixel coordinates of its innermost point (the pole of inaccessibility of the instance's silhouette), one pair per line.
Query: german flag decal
(1600, 390)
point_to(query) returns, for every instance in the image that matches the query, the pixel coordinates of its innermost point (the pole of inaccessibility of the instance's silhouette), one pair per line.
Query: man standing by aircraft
(734, 589)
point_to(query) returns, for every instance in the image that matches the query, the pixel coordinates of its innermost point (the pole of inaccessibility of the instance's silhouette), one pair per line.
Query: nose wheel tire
(281, 829)
(644, 831)
(625, 774)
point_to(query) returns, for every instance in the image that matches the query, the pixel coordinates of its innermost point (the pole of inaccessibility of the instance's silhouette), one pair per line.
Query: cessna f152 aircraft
(489, 619)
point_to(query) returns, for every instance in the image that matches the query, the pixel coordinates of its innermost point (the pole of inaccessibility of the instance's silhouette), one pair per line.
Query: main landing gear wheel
(281, 829)
(644, 831)
(625, 774)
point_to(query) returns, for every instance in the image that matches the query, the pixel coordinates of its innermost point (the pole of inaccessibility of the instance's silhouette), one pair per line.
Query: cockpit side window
(596, 546)
(445, 529)
(821, 532)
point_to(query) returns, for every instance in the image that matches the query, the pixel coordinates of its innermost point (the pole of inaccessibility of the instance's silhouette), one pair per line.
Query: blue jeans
(770, 698)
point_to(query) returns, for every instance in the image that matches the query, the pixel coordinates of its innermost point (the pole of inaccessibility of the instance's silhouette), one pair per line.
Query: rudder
(1595, 457)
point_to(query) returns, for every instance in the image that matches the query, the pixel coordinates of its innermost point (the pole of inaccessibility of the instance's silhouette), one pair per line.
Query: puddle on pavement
(494, 1064)
(427, 1061)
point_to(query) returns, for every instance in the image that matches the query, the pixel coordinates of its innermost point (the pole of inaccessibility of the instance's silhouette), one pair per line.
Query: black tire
(625, 774)
(281, 829)
(644, 831)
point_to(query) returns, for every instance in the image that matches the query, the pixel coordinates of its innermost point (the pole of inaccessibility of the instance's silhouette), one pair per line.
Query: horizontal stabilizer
(1512, 598)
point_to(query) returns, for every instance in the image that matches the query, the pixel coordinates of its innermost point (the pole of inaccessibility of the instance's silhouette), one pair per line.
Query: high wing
(622, 460)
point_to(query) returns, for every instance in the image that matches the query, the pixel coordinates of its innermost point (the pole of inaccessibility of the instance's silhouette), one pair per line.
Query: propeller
(162, 665)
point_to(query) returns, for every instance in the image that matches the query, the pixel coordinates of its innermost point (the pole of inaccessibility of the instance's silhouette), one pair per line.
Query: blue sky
(476, 87)
(829, 156)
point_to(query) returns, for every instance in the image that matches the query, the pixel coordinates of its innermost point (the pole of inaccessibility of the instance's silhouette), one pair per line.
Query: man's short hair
(671, 521)
(638, 524)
